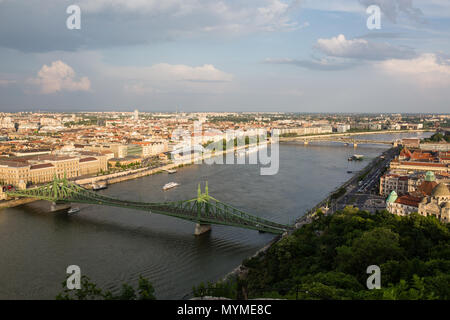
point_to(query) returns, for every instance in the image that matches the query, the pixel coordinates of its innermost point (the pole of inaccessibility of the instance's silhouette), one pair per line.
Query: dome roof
(392, 197)
(441, 190)
(429, 176)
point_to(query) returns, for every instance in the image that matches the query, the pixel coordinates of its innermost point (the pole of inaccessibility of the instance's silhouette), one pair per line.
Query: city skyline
(223, 56)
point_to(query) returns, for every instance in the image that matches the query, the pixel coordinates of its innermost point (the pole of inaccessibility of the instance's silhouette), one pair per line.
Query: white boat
(171, 171)
(170, 185)
(73, 210)
(356, 157)
(99, 186)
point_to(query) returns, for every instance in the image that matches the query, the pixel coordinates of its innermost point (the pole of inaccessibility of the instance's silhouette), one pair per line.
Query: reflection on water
(115, 245)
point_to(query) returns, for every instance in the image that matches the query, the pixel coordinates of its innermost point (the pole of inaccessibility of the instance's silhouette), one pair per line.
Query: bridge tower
(56, 206)
(201, 228)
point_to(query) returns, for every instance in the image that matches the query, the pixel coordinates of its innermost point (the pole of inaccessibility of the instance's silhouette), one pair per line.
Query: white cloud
(173, 72)
(164, 77)
(228, 16)
(428, 70)
(333, 5)
(59, 77)
(361, 49)
(136, 5)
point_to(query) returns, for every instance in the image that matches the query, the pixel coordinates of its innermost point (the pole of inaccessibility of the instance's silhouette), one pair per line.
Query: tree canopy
(328, 259)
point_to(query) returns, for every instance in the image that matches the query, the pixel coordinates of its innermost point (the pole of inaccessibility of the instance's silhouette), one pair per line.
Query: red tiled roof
(405, 153)
(88, 159)
(408, 200)
(416, 163)
(41, 166)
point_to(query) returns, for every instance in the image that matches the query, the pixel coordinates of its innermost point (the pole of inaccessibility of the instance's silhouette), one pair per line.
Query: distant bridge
(203, 210)
(344, 139)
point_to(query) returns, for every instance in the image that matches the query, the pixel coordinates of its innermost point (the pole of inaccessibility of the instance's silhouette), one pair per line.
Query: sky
(225, 55)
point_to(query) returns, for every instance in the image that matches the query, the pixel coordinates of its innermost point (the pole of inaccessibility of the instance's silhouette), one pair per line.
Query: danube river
(114, 245)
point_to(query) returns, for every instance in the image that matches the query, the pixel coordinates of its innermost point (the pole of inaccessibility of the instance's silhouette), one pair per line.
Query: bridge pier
(54, 206)
(201, 229)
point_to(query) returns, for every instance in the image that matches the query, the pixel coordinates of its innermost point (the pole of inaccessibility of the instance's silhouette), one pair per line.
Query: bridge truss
(203, 210)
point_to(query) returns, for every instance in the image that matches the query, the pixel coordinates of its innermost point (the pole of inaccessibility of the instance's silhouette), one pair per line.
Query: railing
(218, 213)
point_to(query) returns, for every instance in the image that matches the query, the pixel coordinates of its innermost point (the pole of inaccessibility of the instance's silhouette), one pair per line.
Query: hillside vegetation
(328, 259)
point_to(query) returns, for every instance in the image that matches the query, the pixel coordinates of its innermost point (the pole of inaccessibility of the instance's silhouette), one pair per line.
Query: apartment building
(398, 166)
(43, 168)
(147, 149)
(119, 150)
(394, 182)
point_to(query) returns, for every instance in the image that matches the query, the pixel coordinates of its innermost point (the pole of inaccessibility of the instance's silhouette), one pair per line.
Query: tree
(373, 247)
(328, 259)
(90, 291)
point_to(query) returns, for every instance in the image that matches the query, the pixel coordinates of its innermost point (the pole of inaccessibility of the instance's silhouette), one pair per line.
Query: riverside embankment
(116, 245)
(142, 172)
(240, 271)
(131, 174)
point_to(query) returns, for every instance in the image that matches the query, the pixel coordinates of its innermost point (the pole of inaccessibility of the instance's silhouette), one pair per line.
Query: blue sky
(228, 55)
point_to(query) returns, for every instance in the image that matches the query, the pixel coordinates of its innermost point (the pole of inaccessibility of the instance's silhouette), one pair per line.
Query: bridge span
(204, 210)
(343, 139)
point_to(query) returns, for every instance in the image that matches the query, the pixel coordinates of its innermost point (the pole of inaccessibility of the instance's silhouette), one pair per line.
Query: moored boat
(356, 157)
(99, 186)
(73, 210)
(170, 185)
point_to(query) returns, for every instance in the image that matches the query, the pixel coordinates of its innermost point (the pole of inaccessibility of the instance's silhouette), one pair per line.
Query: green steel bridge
(203, 210)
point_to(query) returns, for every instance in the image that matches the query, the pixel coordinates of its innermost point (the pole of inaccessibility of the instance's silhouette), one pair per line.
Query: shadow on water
(63, 220)
(115, 245)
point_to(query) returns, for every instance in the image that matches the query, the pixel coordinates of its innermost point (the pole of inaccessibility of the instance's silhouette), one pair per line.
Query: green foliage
(338, 193)
(288, 135)
(328, 258)
(225, 289)
(438, 137)
(90, 291)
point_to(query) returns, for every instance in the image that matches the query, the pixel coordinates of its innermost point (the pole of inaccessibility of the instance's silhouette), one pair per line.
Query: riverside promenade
(130, 174)
(142, 172)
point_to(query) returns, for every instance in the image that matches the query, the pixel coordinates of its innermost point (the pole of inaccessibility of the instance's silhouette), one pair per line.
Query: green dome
(392, 197)
(429, 176)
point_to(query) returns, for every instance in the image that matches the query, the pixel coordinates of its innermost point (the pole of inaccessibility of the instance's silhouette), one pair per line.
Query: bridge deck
(204, 209)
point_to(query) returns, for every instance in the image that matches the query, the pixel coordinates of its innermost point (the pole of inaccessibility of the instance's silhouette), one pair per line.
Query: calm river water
(114, 245)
